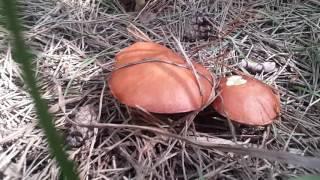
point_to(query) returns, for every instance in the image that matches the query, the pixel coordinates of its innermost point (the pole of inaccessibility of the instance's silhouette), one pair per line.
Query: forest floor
(75, 42)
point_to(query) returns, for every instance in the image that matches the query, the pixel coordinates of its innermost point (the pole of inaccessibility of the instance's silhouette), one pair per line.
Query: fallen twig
(307, 162)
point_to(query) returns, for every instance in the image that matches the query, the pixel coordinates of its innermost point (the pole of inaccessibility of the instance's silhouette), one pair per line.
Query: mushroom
(164, 84)
(247, 100)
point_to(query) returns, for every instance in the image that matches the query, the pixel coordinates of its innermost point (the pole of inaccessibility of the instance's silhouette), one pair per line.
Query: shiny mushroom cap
(247, 100)
(158, 87)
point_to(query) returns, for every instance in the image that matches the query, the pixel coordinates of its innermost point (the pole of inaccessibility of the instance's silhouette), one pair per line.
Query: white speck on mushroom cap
(235, 80)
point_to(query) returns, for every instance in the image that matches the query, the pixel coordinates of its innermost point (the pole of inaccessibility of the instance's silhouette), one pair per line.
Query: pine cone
(77, 135)
(197, 27)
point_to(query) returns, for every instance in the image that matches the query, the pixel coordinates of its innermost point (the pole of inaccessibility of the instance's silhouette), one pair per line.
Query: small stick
(258, 67)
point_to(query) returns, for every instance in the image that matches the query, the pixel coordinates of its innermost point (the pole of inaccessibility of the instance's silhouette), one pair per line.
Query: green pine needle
(22, 55)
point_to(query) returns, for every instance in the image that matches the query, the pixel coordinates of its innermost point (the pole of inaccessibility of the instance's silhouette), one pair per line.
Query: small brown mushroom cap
(155, 86)
(247, 100)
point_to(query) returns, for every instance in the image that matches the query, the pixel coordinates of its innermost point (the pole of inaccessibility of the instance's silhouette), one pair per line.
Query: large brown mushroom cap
(246, 100)
(156, 86)
(140, 51)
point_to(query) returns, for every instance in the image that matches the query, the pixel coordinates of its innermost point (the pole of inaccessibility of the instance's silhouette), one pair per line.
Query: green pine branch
(22, 55)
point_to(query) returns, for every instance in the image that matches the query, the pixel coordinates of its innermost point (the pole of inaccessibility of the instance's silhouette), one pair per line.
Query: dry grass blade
(148, 60)
(134, 31)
